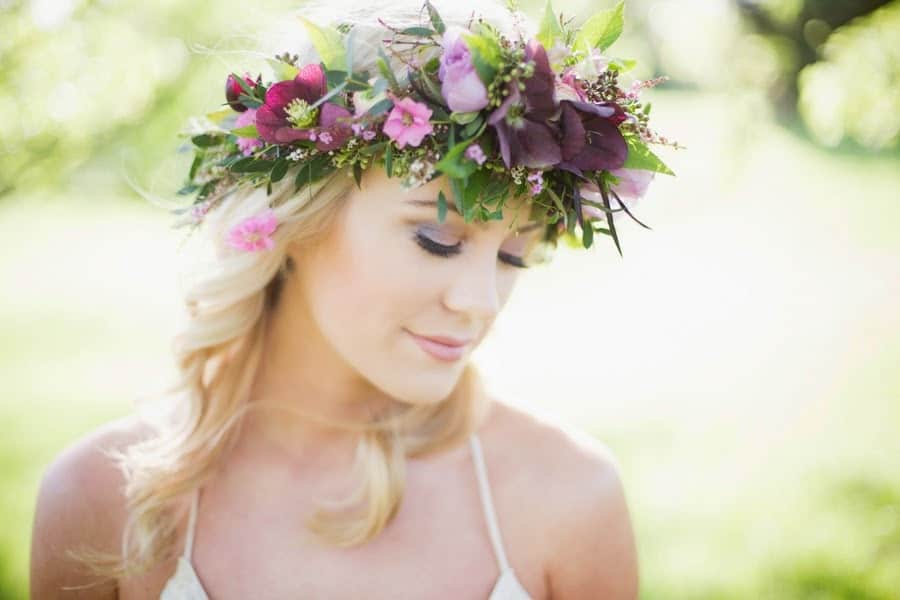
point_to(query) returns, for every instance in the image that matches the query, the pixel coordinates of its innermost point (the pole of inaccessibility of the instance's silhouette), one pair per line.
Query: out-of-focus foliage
(107, 82)
(835, 63)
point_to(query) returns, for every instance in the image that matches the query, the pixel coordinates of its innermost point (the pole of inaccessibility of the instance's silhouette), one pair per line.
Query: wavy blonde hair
(217, 352)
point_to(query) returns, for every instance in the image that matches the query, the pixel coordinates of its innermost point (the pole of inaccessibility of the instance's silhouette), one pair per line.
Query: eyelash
(441, 250)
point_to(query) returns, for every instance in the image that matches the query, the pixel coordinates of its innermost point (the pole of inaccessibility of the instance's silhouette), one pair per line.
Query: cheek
(367, 285)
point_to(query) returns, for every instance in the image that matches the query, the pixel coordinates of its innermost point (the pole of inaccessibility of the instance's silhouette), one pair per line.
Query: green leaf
(486, 55)
(640, 157)
(474, 128)
(384, 67)
(452, 165)
(442, 206)
(247, 132)
(436, 20)
(604, 193)
(380, 107)
(389, 160)
(219, 115)
(587, 234)
(463, 118)
(282, 70)
(279, 170)
(313, 170)
(549, 30)
(602, 29)
(205, 140)
(420, 31)
(622, 65)
(251, 165)
(328, 44)
(198, 160)
(357, 174)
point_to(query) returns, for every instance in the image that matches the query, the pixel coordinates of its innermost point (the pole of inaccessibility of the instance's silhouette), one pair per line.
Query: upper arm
(594, 555)
(79, 504)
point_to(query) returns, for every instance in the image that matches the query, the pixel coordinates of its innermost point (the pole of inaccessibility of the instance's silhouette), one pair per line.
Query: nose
(475, 288)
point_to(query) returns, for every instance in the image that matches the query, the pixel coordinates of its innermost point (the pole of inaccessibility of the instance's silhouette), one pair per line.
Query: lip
(441, 347)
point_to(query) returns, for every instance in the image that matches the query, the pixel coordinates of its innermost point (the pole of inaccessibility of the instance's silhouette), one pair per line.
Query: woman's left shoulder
(573, 481)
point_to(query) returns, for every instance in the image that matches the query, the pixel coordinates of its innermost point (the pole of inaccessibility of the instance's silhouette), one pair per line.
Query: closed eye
(446, 251)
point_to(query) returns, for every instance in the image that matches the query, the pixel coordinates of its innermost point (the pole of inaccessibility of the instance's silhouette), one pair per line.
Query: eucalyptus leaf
(419, 31)
(436, 20)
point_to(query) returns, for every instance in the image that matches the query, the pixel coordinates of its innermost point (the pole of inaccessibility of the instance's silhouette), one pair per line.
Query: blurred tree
(802, 33)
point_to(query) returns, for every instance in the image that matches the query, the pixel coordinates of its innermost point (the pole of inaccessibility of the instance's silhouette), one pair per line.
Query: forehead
(389, 193)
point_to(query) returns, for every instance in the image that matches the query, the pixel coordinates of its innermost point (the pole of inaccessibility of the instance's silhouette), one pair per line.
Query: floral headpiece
(542, 118)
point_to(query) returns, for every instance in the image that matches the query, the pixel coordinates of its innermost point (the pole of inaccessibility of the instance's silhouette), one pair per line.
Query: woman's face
(388, 273)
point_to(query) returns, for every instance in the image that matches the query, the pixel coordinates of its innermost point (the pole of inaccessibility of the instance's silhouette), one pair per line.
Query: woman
(329, 437)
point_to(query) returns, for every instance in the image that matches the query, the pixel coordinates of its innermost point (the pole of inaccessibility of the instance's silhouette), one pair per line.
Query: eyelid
(430, 245)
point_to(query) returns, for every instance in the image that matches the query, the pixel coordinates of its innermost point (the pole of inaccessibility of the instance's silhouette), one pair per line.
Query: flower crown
(542, 118)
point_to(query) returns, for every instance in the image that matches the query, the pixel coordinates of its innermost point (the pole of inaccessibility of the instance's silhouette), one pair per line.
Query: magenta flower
(408, 122)
(233, 90)
(247, 144)
(288, 115)
(461, 86)
(253, 234)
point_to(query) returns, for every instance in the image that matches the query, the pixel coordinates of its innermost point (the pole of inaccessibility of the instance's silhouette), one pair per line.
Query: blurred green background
(742, 360)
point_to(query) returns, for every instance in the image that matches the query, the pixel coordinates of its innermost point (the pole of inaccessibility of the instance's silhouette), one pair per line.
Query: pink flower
(461, 86)
(253, 233)
(408, 123)
(247, 144)
(632, 186)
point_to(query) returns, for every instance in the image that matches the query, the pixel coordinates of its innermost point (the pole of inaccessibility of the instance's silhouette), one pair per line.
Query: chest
(436, 546)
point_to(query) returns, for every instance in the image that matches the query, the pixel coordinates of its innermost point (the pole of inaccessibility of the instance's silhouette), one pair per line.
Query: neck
(307, 402)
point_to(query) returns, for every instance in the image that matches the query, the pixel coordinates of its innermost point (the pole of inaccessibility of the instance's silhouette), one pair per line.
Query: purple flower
(461, 86)
(525, 133)
(591, 139)
(408, 122)
(632, 186)
(288, 116)
(476, 153)
(247, 144)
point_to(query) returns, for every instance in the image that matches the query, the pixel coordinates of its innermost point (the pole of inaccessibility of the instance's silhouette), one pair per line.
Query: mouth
(443, 348)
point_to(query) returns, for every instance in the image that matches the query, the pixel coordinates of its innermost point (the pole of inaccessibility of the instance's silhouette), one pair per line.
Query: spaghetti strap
(487, 502)
(192, 524)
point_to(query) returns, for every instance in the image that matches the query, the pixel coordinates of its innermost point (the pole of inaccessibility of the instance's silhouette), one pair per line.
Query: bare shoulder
(575, 482)
(80, 505)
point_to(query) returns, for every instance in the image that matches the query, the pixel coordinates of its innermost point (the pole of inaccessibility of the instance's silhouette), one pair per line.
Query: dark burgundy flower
(287, 114)
(233, 91)
(591, 139)
(522, 122)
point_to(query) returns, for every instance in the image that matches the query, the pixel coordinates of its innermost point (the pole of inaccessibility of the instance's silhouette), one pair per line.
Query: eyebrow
(452, 206)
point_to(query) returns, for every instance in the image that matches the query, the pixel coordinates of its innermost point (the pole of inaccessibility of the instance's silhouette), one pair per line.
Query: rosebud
(233, 91)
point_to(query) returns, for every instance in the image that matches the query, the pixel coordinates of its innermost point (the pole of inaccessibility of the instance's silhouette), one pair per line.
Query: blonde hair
(218, 350)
